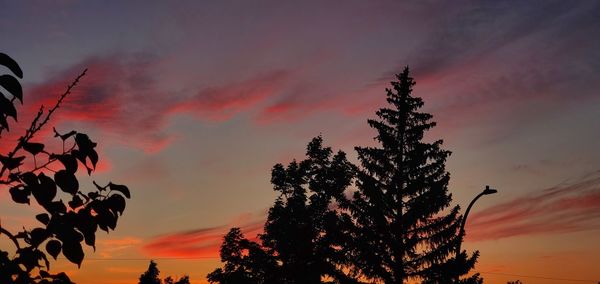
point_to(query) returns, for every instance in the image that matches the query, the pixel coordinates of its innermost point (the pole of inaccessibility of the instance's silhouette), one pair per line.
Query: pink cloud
(122, 95)
(109, 99)
(300, 105)
(221, 103)
(568, 207)
(203, 242)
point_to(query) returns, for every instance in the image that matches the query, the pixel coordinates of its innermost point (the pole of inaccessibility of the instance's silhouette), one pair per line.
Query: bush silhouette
(63, 225)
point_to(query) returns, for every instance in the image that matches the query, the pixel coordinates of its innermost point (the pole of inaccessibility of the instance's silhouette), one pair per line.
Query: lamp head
(489, 190)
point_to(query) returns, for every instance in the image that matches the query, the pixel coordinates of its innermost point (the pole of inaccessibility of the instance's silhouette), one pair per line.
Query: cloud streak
(565, 208)
(202, 242)
(221, 103)
(568, 207)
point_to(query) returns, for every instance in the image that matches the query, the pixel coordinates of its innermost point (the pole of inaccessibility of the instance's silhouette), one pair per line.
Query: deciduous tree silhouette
(63, 226)
(304, 234)
(404, 226)
(304, 230)
(244, 262)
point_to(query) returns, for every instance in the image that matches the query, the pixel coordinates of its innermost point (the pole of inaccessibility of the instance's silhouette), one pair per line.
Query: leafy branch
(65, 225)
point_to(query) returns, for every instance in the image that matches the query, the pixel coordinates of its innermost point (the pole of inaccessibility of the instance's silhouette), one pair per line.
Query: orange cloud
(203, 242)
(108, 248)
(568, 207)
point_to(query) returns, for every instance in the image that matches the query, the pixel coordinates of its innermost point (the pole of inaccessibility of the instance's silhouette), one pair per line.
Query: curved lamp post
(486, 191)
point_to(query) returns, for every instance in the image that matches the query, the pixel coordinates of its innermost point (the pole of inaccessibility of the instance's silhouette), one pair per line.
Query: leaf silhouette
(33, 148)
(11, 64)
(19, 195)
(73, 252)
(38, 236)
(120, 188)
(68, 161)
(43, 218)
(13, 86)
(66, 181)
(11, 162)
(45, 191)
(7, 107)
(116, 203)
(53, 248)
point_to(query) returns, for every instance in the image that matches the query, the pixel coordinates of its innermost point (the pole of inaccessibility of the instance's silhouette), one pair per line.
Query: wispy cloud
(202, 242)
(108, 248)
(221, 103)
(568, 207)
(122, 96)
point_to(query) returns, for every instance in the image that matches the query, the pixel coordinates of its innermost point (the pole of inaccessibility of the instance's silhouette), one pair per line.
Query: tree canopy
(304, 232)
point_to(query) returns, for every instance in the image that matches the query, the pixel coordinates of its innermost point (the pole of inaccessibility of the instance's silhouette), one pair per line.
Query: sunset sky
(193, 102)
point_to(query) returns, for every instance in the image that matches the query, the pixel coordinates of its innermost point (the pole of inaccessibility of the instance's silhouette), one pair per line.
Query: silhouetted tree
(244, 262)
(304, 230)
(63, 225)
(404, 229)
(304, 233)
(151, 275)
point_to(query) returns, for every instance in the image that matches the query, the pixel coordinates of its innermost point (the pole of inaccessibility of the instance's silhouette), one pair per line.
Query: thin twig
(10, 236)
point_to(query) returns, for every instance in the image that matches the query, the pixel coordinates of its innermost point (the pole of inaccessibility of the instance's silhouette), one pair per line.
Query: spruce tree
(405, 228)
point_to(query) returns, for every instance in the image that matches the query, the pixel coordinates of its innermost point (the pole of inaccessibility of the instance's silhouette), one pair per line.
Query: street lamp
(486, 191)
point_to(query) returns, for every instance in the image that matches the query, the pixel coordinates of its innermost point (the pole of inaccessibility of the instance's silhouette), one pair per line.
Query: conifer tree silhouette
(151, 275)
(404, 226)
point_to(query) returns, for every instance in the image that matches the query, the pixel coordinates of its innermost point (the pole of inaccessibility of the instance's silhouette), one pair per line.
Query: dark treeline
(397, 224)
